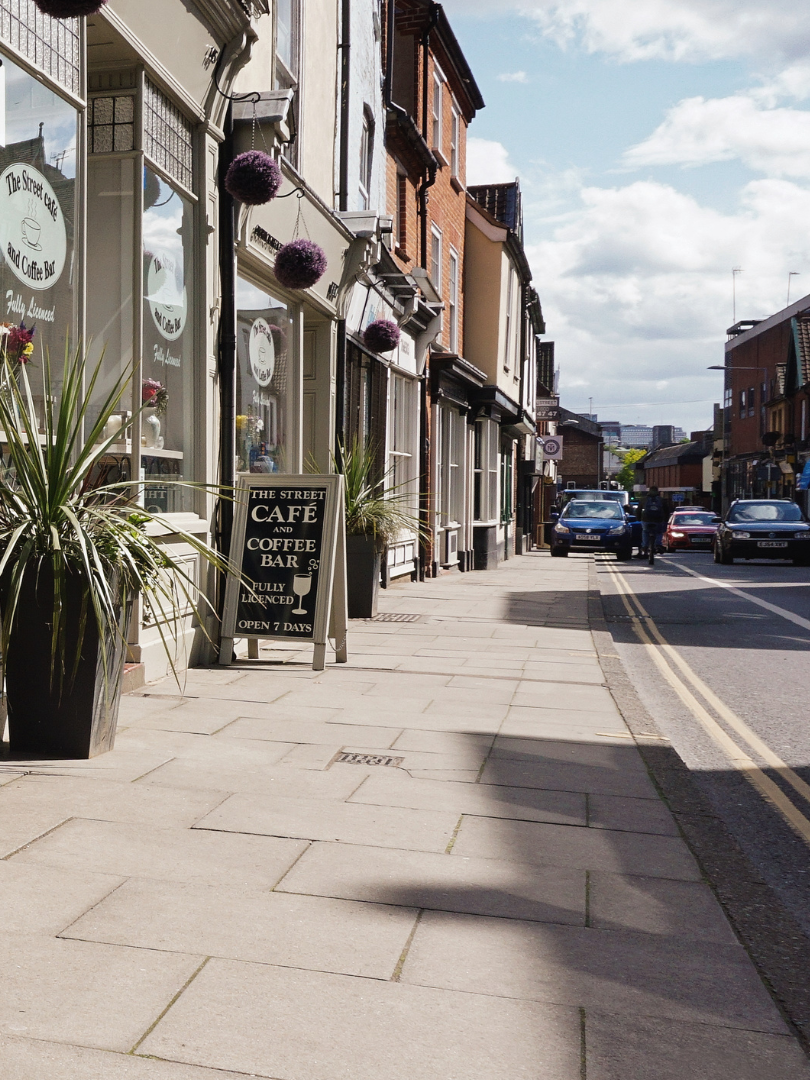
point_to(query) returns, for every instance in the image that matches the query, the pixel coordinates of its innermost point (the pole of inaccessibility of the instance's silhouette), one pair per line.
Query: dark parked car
(763, 529)
(690, 530)
(592, 525)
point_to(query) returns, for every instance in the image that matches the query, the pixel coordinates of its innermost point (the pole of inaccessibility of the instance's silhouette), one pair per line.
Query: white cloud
(513, 76)
(636, 289)
(774, 141)
(488, 162)
(664, 29)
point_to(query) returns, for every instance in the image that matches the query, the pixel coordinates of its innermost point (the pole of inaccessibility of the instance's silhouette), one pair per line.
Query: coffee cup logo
(166, 295)
(33, 236)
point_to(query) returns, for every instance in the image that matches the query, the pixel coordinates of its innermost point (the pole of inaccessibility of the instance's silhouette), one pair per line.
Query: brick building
(678, 471)
(431, 97)
(581, 463)
(767, 387)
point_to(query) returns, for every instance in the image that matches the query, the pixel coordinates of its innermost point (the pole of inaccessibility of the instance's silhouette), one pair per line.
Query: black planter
(362, 576)
(79, 721)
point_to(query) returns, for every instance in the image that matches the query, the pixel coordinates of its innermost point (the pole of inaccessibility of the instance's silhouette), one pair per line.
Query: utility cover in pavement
(368, 759)
(395, 616)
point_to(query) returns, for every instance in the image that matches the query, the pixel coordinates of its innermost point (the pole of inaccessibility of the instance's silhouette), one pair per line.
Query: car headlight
(741, 536)
(803, 535)
(617, 530)
(561, 528)
(680, 535)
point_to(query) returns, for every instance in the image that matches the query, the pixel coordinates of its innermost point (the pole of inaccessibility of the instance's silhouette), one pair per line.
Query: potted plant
(376, 514)
(74, 552)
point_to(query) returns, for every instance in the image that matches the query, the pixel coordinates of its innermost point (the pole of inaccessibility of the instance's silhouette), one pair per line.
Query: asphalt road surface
(720, 657)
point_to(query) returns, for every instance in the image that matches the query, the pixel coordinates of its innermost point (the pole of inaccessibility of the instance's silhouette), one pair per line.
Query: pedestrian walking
(653, 522)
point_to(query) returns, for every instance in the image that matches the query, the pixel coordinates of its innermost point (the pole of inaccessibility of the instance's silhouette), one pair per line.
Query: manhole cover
(368, 759)
(395, 616)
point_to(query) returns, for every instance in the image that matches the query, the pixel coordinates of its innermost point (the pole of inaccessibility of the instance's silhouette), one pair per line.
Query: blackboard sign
(289, 543)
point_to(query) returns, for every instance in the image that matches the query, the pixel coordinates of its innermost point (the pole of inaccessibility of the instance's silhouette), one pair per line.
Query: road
(720, 657)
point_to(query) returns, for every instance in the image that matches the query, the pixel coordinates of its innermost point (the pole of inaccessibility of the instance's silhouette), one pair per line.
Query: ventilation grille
(395, 616)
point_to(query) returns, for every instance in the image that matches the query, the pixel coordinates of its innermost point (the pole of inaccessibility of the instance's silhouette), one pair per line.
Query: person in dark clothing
(654, 516)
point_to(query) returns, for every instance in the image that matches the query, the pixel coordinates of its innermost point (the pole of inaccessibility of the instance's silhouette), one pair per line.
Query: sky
(659, 145)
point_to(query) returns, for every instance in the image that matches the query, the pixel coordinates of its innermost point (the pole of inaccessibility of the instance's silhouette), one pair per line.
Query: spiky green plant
(56, 518)
(374, 507)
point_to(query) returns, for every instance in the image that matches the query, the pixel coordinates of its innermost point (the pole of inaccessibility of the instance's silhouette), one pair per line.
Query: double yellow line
(678, 674)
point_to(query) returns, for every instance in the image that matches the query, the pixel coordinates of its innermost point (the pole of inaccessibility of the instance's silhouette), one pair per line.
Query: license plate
(772, 543)
(581, 537)
(701, 539)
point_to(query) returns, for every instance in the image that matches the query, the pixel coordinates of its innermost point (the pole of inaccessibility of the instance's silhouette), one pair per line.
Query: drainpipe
(430, 178)
(345, 55)
(227, 337)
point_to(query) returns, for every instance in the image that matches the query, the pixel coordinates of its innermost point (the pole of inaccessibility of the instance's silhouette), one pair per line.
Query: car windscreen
(679, 520)
(608, 509)
(597, 496)
(765, 511)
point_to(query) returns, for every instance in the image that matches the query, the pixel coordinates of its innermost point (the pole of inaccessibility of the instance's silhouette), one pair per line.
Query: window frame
(486, 467)
(455, 140)
(437, 109)
(366, 157)
(436, 257)
(454, 264)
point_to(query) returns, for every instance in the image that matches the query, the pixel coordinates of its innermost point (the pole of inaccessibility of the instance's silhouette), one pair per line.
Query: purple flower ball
(381, 336)
(300, 264)
(69, 9)
(253, 178)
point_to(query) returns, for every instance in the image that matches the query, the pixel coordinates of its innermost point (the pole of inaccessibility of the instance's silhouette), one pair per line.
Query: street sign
(289, 542)
(552, 447)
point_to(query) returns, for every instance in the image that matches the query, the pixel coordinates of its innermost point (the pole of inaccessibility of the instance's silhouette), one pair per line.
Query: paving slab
(390, 788)
(123, 765)
(624, 973)
(686, 909)
(424, 880)
(108, 800)
(259, 780)
(348, 823)
(309, 731)
(566, 845)
(206, 858)
(277, 1022)
(539, 771)
(313, 932)
(46, 899)
(630, 815)
(645, 1048)
(27, 1059)
(85, 993)
(26, 825)
(443, 742)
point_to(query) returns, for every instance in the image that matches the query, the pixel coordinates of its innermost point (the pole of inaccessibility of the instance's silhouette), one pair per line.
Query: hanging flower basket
(300, 264)
(69, 9)
(381, 335)
(253, 178)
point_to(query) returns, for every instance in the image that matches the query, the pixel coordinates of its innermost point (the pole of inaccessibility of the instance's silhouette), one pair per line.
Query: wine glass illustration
(302, 583)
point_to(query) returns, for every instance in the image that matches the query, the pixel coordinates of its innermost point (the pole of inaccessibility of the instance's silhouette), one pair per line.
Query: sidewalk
(487, 887)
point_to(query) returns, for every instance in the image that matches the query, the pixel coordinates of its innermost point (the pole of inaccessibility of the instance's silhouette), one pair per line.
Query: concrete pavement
(445, 860)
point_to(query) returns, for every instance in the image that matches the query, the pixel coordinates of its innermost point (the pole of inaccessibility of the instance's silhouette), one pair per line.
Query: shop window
(451, 467)
(38, 276)
(403, 464)
(485, 470)
(506, 485)
(265, 369)
(168, 342)
(52, 45)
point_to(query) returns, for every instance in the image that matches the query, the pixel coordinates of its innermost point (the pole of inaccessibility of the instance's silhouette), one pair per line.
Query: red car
(690, 529)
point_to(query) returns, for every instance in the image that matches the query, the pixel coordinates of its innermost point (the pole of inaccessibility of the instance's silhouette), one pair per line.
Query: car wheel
(725, 557)
(559, 553)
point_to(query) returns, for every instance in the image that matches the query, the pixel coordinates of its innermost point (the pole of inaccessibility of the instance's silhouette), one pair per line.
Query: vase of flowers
(155, 398)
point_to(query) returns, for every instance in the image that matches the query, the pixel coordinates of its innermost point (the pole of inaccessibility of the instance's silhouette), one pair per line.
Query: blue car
(590, 525)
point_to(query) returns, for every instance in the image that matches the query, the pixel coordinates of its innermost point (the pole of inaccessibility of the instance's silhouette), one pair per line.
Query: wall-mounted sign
(262, 352)
(289, 543)
(547, 409)
(166, 294)
(552, 447)
(33, 236)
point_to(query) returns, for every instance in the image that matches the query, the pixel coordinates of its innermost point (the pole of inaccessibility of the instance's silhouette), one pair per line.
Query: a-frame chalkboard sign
(289, 540)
